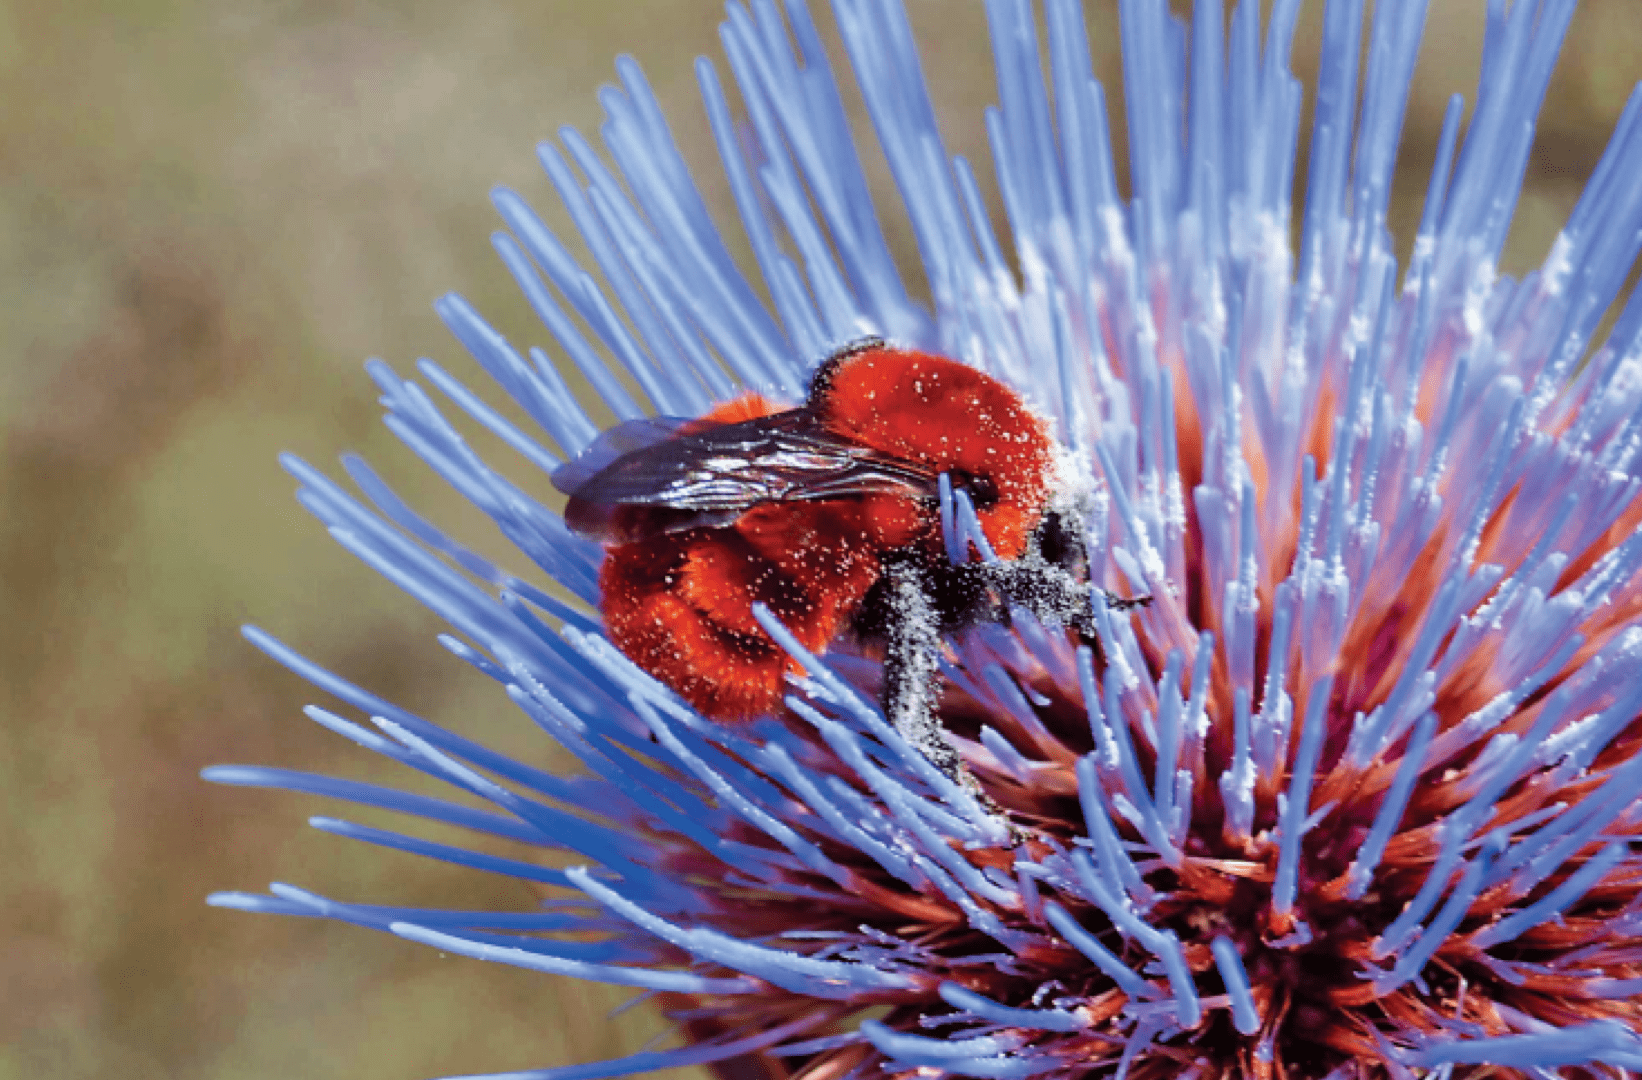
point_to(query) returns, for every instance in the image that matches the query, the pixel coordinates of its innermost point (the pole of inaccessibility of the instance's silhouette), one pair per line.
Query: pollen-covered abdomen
(680, 604)
(952, 418)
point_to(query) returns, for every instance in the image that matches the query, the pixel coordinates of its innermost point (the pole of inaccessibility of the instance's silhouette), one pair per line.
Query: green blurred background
(211, 213)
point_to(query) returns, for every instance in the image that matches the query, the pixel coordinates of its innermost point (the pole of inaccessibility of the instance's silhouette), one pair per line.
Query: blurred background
(211, 214)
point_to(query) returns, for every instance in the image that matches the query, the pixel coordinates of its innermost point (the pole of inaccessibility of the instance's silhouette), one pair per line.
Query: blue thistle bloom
(1354, 797)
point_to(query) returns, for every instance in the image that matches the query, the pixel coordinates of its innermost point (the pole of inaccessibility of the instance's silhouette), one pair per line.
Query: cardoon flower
(1353, 797)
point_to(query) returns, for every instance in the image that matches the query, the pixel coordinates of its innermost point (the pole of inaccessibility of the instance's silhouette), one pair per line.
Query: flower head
(1354, 795)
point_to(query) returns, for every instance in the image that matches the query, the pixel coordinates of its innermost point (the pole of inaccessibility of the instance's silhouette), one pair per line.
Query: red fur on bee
(936, 411)
(680, 604)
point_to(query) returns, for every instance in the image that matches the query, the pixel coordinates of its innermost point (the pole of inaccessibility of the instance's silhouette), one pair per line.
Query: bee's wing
(709, 477)
(625, 438)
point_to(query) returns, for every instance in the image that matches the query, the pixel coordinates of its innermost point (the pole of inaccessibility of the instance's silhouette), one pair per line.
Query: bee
(829, 515)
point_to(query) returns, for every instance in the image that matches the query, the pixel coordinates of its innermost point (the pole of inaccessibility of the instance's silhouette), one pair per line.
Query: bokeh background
(210, 214)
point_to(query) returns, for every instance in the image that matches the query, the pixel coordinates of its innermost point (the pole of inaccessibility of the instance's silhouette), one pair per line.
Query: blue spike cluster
(1407, 562)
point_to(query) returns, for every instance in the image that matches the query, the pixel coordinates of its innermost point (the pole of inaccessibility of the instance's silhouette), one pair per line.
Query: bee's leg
(912, 659)
(912, 654)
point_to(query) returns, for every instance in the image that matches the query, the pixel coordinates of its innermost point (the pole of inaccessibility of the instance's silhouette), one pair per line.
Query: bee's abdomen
(681, 606)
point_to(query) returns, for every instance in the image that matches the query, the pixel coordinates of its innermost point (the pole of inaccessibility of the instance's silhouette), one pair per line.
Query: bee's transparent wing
(670, 480)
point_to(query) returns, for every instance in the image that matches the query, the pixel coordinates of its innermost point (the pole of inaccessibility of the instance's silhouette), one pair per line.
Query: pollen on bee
(680, 583)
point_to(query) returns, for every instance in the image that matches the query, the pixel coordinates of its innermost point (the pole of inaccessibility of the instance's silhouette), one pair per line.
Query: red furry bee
(828, 514)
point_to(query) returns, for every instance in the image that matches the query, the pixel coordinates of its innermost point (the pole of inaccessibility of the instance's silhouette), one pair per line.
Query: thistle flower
(1352, 798)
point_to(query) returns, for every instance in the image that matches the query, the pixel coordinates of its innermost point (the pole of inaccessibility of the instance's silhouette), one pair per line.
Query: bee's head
(1059, 539)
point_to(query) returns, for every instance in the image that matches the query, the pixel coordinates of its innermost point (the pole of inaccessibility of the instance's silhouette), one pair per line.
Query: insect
(828, 514)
